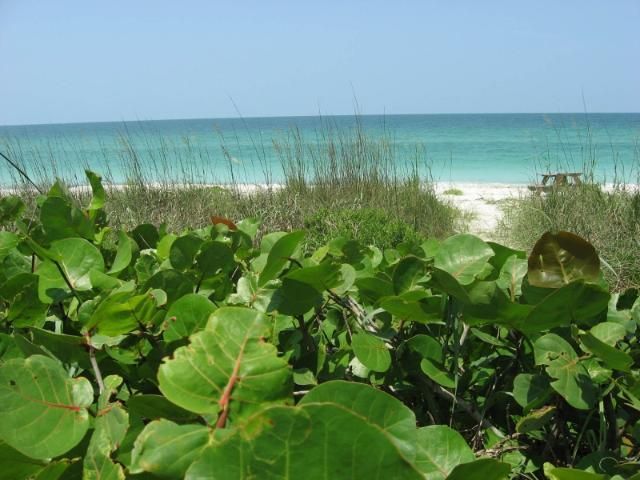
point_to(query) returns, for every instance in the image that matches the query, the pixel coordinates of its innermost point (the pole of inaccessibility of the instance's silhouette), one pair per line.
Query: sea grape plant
(206, 354)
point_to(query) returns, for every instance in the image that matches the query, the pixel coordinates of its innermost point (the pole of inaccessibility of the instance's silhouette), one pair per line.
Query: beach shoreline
(482, 203)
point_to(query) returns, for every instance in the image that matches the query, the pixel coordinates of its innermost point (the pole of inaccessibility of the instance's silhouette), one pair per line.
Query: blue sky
(73, 61)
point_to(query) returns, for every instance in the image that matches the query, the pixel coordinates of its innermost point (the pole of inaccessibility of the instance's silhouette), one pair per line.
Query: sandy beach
(482, 200)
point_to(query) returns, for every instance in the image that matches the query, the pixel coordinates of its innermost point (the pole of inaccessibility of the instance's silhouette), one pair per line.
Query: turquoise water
(461, 148)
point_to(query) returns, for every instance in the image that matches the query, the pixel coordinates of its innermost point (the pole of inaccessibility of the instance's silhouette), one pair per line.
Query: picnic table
(558, 179)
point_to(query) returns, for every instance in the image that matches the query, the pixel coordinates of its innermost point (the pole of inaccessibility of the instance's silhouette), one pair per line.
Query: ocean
(482, 148)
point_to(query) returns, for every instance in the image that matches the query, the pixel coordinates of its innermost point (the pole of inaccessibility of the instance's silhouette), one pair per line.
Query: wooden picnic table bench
(558, 179)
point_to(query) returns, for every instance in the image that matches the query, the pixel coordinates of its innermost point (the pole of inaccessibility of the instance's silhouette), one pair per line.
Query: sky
(75, 61)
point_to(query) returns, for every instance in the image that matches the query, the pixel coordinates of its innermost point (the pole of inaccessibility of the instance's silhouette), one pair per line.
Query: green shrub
(369, 226)
(147, 353)
(608, 218)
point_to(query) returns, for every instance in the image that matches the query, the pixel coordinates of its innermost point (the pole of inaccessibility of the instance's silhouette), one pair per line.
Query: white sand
(483, 201)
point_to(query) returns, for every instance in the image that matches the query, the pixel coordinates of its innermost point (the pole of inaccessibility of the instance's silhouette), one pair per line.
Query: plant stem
(96, 368)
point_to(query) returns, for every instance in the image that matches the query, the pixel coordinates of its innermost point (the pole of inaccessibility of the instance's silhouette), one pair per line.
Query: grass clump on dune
(343, 182)
(607, 216)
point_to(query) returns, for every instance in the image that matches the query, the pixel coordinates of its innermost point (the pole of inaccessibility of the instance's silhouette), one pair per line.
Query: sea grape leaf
(561, 258)
(426, 346)
(609, 332)
(530, 390)
(109, 430)
(98, 196)
(11, 207)
(174, 283)
(313, 441)
(183, 251)
(62, 220)
(66, 348)
(447, 283)
(156, 407)
(553, 473)
(146, 236)
(16, 466)
(576, 302)
(294, 298)
(439, 450)
(227, 369)
(214, 256)
(502, 254)
(8, 241)
(511, 274)
(371, 351)
(550, 346)
(482, 469)
(121, 313)
(279, 255)
(612, 357)
(166, 449)
(535, 419)
(124, 254)
(25, 310)
(437, 373)
(321, 277)
(464, 257)
(373, 288)
(43, 412)
(378, 408)
(187, 315)
(407, 273)
(571, 379)
(420, 311)
(78, 258)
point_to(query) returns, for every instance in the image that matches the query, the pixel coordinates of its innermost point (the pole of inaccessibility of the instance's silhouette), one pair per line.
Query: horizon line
(319, 115)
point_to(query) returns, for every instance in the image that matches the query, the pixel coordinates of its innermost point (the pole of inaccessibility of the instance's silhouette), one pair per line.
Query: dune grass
(356, 181)
(606, 215)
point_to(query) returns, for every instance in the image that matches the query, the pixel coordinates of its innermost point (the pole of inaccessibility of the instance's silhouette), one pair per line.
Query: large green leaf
(16, 466)
(407, 273)
(572, 379)
(440, 450)
(558, 259)
(77, 258)
(109, 431)
(511, 275)
(464, 257)
(377, 407)
(62, 220)
(11, 207)
(8, 241)
(214, 256)
(321, 277)
(576, 302)
(183, 251)
(124, 255)
(571, 474)
(227, 370)
(187, 315)
(154, 407)
(483, 469)
(279, 255)
(122, 312)
(294, 298)
(43, 412)
(427, 310)
(314, 441)
(371, 351)
(166, 449)
(530, 390)
(612, 357)
(98, 197)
